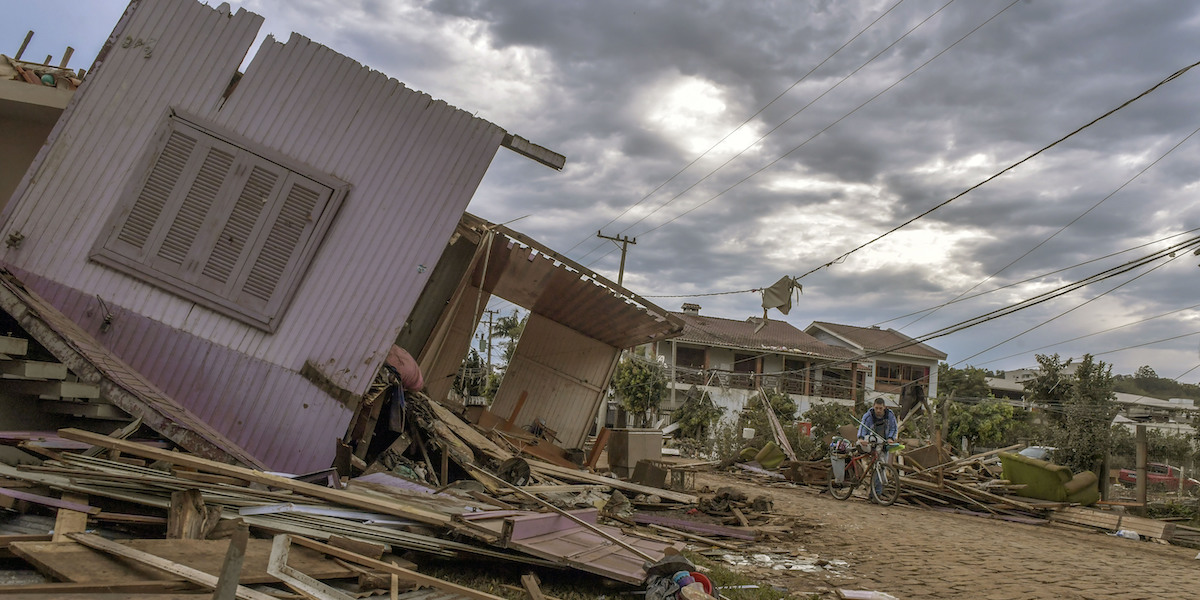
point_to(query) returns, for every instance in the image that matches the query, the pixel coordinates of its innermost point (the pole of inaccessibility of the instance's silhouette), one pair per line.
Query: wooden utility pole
(625, 242)
(1140, 486)
(490, 313)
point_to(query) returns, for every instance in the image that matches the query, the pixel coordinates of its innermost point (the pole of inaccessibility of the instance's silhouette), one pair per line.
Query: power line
(961, 298)
(742, 124)
(1064, 227)
(830, 126)
(1077, 338)
(1070, 310)
(781, 124)
(1168, 79)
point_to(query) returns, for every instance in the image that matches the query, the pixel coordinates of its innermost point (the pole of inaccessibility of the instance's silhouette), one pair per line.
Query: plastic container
(702, 579)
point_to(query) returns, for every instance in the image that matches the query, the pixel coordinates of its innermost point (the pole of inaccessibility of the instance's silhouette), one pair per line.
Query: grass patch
(721, 575)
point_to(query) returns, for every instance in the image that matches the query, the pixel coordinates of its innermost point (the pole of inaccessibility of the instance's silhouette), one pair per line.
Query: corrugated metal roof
(873, 339)
(777, 336)
(528, 274)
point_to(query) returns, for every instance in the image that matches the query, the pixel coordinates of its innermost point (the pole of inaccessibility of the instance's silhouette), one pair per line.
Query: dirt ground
(913, 552)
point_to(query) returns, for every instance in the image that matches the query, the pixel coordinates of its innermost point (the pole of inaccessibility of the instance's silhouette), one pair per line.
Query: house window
(692, 358)
(891, 377)
(213, 221)
(745, 363)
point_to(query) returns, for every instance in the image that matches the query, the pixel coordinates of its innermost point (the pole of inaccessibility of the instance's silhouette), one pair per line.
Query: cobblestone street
(912, 552)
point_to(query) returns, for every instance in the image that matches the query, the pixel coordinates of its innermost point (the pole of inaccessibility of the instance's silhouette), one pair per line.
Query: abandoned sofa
(1048, 481)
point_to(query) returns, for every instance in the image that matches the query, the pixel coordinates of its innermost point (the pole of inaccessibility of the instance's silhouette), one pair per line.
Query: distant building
(899, 367)
(733, 359)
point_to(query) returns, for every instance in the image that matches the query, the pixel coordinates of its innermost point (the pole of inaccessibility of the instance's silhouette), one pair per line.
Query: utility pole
(625, 242)
(490, 313)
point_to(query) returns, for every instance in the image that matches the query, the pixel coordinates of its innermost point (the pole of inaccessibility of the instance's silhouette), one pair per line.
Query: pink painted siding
(413, 164)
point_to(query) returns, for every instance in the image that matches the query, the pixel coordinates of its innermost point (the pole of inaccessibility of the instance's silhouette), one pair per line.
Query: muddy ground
(913, 552)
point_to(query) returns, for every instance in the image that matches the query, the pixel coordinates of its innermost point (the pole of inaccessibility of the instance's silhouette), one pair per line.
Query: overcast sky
(929, 99)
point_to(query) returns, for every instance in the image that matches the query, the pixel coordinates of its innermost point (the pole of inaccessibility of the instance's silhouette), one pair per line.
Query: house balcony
(789, 384)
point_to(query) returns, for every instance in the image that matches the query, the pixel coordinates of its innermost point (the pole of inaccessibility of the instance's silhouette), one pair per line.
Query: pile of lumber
(439, 487)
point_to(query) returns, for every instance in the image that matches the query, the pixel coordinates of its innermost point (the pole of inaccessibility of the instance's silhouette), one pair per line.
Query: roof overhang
(534, 277)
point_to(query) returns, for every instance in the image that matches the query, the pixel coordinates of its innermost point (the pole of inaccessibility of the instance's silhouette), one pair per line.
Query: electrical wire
(784, 122)
(827, 128)
(1072, 309)
(1037, 277)
(744, 123)
(1064, 227)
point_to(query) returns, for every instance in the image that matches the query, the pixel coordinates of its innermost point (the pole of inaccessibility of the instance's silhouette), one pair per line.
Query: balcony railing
(790, 384)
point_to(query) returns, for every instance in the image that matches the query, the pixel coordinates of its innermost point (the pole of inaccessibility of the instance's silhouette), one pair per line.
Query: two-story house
(732, 359)
(897, 366)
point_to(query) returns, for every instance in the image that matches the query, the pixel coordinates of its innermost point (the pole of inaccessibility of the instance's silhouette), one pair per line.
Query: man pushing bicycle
(880, 421)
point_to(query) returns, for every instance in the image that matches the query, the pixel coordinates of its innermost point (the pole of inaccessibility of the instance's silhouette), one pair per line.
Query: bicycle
(861, 464)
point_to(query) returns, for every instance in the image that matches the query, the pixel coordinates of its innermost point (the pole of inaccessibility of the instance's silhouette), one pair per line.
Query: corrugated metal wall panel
(413, 163)
(566, 395)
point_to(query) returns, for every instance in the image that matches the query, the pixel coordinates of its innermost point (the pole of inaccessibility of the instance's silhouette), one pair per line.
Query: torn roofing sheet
(554, 537)
(529, 274)
(119, 383)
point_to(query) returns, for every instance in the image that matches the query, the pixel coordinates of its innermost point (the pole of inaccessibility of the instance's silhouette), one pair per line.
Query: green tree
(967, 382)
(1051, 387)
(827, 417)
(986, 423)
(640, 386)
(1081, 409)
(509, 328)
(755, 417)
(697, 415)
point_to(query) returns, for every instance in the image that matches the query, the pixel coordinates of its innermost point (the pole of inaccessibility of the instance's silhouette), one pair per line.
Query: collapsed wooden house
(252, 244)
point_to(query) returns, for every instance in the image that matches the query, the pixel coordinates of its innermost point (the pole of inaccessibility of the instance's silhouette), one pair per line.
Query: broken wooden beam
(193, 575)
(69, 521)
(277, 481)
(401, 572)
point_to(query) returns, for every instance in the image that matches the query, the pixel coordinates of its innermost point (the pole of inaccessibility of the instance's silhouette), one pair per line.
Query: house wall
(565, 375)
(27, 114)
(413, 163)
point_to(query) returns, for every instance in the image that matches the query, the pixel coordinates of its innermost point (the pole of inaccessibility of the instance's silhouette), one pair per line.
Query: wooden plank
(737, 512)
(85, 590)
(532, 586)
(544, 468)
(70, 521)
(53, 389)
(198, 577)
(231, 569)
(90, 410)
(693, 537)
(13, 346)
(121, 433)
(1099, 519)
(401, 572)
(188, 518)
(277, 481)
(598, 447)
(33, 369)
(295, 579)
(51, 502)
(68, 561)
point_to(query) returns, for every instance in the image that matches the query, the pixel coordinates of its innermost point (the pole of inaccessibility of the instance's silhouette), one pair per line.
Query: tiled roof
(777, 336)
(872, 339)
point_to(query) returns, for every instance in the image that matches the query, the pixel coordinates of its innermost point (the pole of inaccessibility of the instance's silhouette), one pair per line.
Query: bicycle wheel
(849, 482)
(891, 484)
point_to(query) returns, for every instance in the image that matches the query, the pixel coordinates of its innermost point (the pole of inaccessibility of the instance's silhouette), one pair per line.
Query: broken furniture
(1048, 481)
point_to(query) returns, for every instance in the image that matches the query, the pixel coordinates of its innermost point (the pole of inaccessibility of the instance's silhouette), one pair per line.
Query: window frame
(185, 280)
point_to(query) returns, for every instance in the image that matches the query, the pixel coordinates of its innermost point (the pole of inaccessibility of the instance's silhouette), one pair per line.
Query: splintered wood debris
(432, 485)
